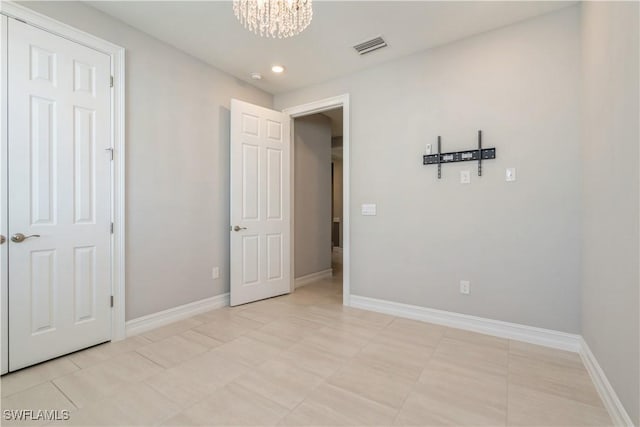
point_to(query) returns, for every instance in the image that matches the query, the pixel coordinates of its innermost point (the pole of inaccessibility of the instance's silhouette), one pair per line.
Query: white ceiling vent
(370, 45)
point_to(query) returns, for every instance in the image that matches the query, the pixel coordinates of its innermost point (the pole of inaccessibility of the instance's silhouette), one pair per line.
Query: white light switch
(465, 177)
(510, 175)
(368, 209)
(428, 149)
(215, 272)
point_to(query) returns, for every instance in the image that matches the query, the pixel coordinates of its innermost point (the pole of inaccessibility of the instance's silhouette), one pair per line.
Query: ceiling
(209, 31)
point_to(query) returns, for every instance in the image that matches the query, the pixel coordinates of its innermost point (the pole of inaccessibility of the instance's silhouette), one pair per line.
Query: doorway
(330, 107)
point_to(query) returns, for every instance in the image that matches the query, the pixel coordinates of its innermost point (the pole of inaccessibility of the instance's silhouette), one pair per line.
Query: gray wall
(518, 243)
(312, 182)
(177, 168)
(610, 297)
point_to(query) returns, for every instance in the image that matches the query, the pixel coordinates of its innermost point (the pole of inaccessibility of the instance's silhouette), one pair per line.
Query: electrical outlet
(465, 177)
(465, 286)
(215, 272)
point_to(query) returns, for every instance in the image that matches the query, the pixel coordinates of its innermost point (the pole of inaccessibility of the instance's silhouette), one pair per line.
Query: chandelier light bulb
(274, 18)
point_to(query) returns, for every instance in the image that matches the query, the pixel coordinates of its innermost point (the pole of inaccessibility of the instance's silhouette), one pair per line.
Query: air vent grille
(370, 45)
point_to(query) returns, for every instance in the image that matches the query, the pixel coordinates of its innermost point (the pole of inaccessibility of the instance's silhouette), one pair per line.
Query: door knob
(2, 239)
(19, 237)
(238, 228)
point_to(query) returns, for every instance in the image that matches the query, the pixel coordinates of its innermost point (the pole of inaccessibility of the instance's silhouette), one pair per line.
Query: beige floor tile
(329, 405)
(232, 405)
(311, 359)
(488, 359)
(228, 330)
(201, 339)
(171, 351)
(377, 385)
(43, 397)
(395, 357)
(34, 375)
(172, 329)
(566, 380)
(476, 338)
(545, 354)
(259, 316)
(102, 352)
(134, 405)
(335, 341)
(180, 389)
(450, 394)
(529, 407)
(291, 328)
(104, 379)
(209, 371)
(281, 382)
(271, 339)
(224, 313)
(414, 332)
(247, 350)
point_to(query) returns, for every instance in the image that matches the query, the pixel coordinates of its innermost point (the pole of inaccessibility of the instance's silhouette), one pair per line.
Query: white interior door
(59, 196)
(260, 203)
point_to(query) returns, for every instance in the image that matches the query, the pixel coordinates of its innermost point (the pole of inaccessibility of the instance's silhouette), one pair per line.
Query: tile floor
(304, 359)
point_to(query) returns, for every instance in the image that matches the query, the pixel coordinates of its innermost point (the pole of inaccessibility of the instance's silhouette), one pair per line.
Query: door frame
(306, 110)
(9, 9)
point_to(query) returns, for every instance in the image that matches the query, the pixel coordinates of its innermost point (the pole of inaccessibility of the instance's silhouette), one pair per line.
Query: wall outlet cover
(465, 287)
(369, 209)
(215, 272)
(465, 177)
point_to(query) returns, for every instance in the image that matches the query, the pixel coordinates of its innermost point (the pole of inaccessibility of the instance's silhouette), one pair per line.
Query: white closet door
(59, 193)
(260, 201)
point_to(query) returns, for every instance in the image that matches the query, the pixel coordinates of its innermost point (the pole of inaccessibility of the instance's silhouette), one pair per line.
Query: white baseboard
(608, 395)
(310, 278)
(514, 331)
(155, 320)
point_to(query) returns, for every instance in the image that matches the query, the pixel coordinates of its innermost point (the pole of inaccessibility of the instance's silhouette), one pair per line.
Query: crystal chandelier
(274, 18)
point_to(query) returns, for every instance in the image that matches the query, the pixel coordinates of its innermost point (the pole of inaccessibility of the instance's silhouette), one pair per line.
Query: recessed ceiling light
(256, 76)
(277, 69)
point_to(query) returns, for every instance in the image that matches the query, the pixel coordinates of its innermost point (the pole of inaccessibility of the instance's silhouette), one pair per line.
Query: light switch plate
(215, 273)
(465, 177)
(427, 149)
(510, 175)
(368, 209)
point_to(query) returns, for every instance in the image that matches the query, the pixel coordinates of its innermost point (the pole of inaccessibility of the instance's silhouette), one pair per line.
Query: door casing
(341, 101)
(13, 10)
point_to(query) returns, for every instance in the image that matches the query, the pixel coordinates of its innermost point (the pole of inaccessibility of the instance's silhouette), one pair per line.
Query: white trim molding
(117, 55)
(612, 403)
(514, 331)
(313, 277)
(174, 314)
(340, 101)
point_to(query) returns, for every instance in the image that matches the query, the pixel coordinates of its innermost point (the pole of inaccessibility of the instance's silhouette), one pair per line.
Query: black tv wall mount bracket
(479, 155)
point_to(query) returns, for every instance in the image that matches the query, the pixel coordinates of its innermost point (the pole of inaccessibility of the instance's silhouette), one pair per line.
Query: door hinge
(111, 300)
(110, 150)
(111, 228)
(111, 81)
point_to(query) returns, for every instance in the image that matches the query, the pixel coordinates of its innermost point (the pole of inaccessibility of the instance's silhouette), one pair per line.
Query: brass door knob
(2, 239)
(19, 237)
(238, 228)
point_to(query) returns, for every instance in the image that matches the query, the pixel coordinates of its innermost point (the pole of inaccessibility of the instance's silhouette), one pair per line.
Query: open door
(260, 203)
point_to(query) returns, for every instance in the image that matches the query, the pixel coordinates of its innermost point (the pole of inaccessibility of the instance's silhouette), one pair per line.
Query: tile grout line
(64, 394)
